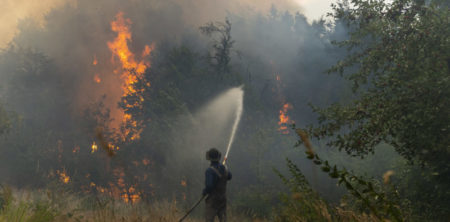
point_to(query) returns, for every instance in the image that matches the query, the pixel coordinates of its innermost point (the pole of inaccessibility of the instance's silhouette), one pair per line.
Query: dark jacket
(212, 178)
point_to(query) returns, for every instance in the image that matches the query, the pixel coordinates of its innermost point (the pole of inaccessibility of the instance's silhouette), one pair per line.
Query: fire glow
(131, 69)
(94, 147)
(284, 119)
(63, 177)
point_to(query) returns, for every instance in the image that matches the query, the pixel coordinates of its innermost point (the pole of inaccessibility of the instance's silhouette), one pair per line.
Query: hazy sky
(314, 9)
(13, 11)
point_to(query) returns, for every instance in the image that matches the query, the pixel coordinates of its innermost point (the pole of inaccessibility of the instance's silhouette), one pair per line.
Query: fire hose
(233, 132)
(193, 207)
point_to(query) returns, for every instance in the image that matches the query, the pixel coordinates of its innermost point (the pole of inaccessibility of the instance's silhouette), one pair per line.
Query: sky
(314, 9)
(12, 11)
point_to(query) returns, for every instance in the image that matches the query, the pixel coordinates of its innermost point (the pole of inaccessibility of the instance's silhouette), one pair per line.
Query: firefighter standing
(216, 178)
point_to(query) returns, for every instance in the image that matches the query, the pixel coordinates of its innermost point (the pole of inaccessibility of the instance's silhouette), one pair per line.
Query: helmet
(213, 154)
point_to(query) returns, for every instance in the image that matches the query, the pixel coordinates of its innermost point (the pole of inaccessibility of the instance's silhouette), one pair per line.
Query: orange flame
(183, 183)
(146, 162)
(146, 51)
(128, 194)
(284, 119)
(76, 149)
(63, 177)
(95, 62)
(97, 78)
(131, 69)
(94, 147)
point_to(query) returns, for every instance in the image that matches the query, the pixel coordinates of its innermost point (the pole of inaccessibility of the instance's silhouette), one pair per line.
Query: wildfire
(128, 194)
(97, 78)
(131, 68)
(95, 61)
(284, 119)
(63, 177)
(183, 183)
(94, 147)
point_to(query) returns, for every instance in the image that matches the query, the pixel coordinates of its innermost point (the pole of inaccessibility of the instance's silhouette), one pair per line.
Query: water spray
(239, 108)
(240, 105)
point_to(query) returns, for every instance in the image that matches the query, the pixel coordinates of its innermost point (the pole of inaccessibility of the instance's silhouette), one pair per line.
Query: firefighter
(216, 178)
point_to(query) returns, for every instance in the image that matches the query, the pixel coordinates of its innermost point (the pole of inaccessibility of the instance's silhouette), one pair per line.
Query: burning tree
(131, 71)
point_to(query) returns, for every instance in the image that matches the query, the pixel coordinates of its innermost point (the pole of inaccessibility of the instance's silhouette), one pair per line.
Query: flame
(97, 78)
(95, 61)
(63, 177)
(76, 149)
(128, 194)
(94, 147)
(284, 118)
(146, 162)
(147, 51)
(131, 68)
(183, 183)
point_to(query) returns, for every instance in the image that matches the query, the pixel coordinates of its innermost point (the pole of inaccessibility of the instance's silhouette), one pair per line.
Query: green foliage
(5, 197)
(400, 52)
(24, 211)
(42, 212)
(303, 204)
(382, 203)
(399, 66)
(254, 201)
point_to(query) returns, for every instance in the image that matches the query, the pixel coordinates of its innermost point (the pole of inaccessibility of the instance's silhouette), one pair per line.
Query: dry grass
(45, 205)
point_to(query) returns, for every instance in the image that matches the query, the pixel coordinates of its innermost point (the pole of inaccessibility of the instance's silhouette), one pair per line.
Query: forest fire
(97, 124)
(284, 119)
(131, 70)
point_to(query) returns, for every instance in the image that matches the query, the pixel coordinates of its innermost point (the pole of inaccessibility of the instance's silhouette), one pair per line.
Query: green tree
(398, 64)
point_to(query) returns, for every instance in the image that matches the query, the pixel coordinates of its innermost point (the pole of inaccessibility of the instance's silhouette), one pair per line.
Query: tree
(398, 64)
(222, 46)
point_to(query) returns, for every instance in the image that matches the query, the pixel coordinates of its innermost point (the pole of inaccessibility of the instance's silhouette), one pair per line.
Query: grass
(57, 205)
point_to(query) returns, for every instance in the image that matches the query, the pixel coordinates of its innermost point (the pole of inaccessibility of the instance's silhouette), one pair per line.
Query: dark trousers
(212, 211)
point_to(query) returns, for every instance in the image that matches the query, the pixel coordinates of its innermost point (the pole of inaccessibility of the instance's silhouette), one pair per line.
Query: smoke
(209, 126)
(195, 12)
(270, 41)
(12, 11)
(74, 32)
